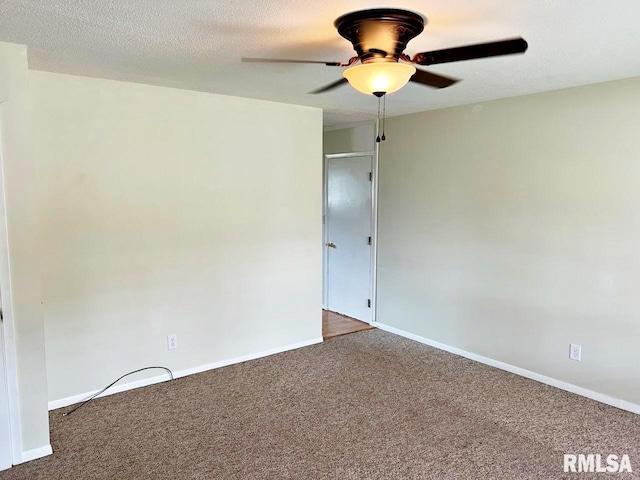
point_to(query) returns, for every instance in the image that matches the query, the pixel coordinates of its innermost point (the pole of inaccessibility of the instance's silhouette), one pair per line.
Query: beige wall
(512, 228)
(347, 140)
(172, 212)
(20, 286)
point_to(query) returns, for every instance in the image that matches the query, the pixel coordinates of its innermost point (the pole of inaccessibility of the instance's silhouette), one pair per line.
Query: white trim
(11, 364)
(350, 154)
(123, 387)
(65, 402)
(29, 455)
(374, 230)
(630, 407)
(569, 387)
(325, 234)
(373, 267)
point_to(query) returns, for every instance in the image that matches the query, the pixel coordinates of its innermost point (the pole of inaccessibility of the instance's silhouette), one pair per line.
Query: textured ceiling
(197, 44)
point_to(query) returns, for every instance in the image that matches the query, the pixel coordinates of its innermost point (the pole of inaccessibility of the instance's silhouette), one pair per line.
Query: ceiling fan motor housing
(380, 34)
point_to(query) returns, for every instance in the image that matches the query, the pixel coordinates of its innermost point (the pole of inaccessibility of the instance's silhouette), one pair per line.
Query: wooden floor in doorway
(334, 325)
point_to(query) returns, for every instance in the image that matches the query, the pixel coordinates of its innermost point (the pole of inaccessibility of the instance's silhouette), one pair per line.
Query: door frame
(374, 226)
(7, 325)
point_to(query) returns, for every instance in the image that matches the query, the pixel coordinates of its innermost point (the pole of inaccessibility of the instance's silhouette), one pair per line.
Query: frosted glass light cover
(385, 77)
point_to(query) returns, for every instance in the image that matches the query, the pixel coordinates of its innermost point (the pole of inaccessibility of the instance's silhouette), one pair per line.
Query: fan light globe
(386, 77)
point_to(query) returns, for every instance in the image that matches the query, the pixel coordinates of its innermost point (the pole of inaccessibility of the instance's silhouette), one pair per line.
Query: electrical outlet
(575, 352)
(172, 341)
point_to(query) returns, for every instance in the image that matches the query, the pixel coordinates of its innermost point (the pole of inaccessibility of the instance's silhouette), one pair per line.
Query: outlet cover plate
(575, 352)
(172, 341)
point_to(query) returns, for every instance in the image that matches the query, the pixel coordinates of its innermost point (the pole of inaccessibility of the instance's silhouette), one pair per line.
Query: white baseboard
(65, 402)
(29, 455)
(246, 358)
(598, 397)
(122, 387)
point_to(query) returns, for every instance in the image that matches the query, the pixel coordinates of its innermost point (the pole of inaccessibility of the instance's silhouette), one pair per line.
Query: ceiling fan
(380, 36)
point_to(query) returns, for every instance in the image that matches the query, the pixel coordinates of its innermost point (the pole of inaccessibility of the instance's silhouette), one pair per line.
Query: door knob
(331, 244)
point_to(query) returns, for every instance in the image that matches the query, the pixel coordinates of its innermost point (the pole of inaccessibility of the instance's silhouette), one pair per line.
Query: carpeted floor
(365, 406)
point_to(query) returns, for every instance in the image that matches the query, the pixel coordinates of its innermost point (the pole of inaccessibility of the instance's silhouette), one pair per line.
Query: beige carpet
(364, 406)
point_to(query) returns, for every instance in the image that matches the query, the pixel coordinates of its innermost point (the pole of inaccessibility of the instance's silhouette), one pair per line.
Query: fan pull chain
(384, 115)
(378, 137)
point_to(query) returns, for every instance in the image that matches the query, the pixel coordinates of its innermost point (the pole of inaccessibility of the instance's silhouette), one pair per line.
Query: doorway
(349, 239)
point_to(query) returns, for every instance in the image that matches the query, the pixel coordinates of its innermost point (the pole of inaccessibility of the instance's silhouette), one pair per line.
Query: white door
(5, 433)
(348, 235)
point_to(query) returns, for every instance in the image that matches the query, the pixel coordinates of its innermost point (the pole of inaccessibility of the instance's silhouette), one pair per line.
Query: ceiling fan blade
(432, 80)
(281, 60)
(330, 86)
(470, 52)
